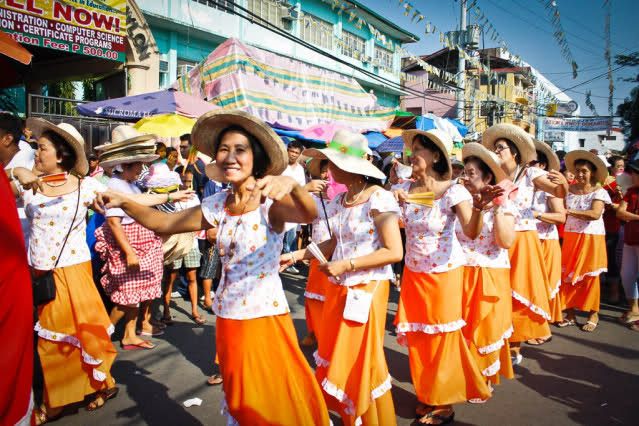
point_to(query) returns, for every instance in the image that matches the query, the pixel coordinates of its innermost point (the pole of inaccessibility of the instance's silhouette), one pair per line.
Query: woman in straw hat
(429, 316)
(73, 329)
(528, 277)
(549, 212)
(584, 250)
(487, 305)
(132, 254)
(266, 378)
(365, 243)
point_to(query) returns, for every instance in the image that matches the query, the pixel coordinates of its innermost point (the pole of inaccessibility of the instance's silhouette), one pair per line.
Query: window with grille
(268, 10)
(316, 31)
(222, 5)
(353, 45)
(384, 58)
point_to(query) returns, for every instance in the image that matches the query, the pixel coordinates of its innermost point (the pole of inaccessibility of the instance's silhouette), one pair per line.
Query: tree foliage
(629, 109)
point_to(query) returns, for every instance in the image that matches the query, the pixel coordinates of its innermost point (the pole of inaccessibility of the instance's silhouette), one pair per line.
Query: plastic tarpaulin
(282, 91)
(375, 139)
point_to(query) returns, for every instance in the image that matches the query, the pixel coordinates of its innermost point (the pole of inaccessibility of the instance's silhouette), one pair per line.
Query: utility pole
(461, 64)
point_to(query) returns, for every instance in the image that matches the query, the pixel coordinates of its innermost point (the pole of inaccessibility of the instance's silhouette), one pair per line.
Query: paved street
(577, 379)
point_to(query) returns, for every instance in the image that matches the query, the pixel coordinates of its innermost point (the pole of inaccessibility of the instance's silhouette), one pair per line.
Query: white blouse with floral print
(320, 230)
(50, 219)
(431, 243)
(483, 251)
(584, 202)
(356, 234)
(525, 221)
(250, 285)
(546, 231)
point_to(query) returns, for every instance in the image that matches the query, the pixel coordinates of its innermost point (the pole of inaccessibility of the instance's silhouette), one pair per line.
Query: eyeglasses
(500, 148)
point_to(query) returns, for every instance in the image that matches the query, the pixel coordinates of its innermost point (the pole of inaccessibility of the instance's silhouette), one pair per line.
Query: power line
(605, 74)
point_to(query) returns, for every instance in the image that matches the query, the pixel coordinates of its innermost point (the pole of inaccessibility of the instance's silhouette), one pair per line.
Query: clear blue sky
(528, 31)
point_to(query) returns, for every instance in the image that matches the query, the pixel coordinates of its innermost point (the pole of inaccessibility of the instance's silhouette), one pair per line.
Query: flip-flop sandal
(151, 334)
(634, 326)
(566, 323)
(105, 395)
(198, 320)
(538, 342)
(41, 417)
(144, 345)
(593, 326)
(627, 319)
(443, 420)
(214, 380)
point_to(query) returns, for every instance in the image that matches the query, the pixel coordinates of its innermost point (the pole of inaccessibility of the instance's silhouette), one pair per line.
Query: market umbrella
(132, 108)
(395, 144)
(165, 125)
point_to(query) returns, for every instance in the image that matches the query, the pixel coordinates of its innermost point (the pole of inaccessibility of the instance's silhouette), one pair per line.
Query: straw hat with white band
(347, 150)
(553, 160)
(206, 138)
(474, 149)
(442, 140)
(127, 146)
(601, 171)
(67, 132)
(522, 140)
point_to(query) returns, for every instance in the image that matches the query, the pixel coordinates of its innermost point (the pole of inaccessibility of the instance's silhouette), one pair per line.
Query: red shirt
(611, 223)
(631, 228)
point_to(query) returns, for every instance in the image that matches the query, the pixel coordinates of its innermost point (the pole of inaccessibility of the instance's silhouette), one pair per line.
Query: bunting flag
(589, 103)
(552, 11)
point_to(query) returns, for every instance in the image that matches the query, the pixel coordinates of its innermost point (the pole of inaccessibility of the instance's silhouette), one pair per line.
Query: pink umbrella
(323, 132)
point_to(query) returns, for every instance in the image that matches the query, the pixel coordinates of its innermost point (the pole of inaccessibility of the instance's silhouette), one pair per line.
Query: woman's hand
(108, 200)
(132, 261)
(316, 186)
(557, 178)
(486, 196)
(273, 187)
(286, 261)
(335, 268)
(27, 179)
(400, 195)
(182, 195)
(211, 235)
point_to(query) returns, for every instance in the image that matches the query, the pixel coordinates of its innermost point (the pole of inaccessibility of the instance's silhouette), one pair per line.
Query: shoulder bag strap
(328, 225)
(77, 205)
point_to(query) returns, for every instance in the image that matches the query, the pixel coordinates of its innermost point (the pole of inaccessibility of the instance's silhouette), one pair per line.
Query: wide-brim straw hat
(601, 172)
(553, 160)
(206, 137)
(347, 151)
(442, 140)
(125, 135)
(522, 140)
(67, 132)
(160, 176)
(474, 149)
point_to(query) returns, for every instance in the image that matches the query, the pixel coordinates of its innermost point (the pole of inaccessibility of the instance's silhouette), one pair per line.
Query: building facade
(187, 31)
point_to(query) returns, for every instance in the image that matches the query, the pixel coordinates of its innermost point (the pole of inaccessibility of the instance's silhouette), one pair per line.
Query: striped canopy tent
(284, 92)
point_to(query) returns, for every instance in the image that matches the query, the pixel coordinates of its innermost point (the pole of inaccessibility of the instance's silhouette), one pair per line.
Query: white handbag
(358, 304)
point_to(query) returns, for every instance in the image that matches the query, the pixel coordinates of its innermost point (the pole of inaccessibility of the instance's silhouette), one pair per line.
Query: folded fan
(56, 177)
(316, 252)
(421, 198)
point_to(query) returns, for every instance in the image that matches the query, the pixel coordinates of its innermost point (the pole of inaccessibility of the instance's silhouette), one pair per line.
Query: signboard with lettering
(554, 136)
(87, 27)
(576, 124)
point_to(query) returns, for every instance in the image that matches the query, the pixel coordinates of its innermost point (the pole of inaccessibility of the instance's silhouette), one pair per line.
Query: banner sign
(554, 136)
(87, 27)
(576, 124)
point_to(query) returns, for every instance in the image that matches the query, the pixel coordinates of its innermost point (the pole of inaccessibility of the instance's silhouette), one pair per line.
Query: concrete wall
(188, 30)
(594, 140)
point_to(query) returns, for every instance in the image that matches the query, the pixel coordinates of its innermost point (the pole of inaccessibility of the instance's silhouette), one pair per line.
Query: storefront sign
(87, 27)
(554, 136)
(576, 124)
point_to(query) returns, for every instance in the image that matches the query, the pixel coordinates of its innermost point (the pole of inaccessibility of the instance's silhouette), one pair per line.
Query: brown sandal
(214, 380)
(102, 397)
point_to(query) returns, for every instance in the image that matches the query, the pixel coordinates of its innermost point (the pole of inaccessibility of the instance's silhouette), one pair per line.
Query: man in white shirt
(295, 171)
(15, 152)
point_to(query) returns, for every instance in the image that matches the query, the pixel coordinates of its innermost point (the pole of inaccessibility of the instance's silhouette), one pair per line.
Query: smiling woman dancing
(266, 378)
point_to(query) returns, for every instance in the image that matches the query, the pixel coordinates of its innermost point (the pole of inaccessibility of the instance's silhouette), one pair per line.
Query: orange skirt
(351, 365)
(529, 282)
(551, 251)
(267, 380)
(487, 310)
(429, 318)
(314, 297)
(583, 260)
(75, 349)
